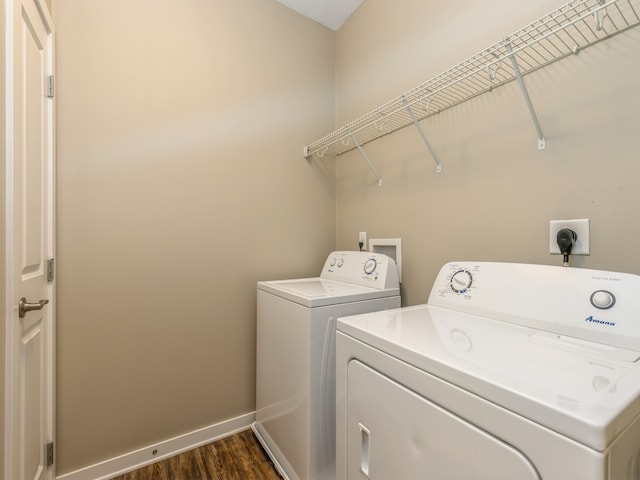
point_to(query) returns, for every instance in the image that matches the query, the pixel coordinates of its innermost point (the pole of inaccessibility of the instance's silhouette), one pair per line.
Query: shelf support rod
(364, 155)
(424, 135)
(600, 15)
(527, 99)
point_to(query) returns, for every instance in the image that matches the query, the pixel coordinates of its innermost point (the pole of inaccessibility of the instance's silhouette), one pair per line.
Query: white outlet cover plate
(362, 237)
(580, 226)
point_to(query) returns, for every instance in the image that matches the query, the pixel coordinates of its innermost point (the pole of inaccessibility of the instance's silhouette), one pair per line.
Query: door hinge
(51, 266)
(49, 454)
(50, 86)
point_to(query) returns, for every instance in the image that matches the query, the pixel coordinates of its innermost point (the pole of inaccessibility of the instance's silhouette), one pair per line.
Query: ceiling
(330, 13)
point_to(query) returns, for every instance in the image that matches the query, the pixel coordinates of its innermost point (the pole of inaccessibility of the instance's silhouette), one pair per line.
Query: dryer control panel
(593, 305)
(367, 269)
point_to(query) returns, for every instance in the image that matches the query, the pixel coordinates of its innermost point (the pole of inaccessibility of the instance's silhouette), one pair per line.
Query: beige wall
(181, 182)
(2, 235)
(497, 192)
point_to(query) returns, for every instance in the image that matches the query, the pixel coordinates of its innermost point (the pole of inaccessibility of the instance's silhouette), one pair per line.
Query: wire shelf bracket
(525, 94)
(423, 135)
(364, 155)
(563, 32)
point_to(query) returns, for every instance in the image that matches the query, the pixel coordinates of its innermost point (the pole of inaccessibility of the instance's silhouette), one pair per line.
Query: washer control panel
(588, 304)
(361, 268)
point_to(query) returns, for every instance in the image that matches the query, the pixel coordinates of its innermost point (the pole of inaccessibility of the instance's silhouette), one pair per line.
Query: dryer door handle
(364, 449)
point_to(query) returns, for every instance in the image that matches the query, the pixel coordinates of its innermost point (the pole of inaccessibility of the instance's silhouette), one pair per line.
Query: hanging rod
(563, 32)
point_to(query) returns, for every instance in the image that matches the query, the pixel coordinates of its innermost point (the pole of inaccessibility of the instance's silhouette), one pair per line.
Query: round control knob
(333, 262)
(340, 262)
(461, 281)
(602, 299)
(370, 266)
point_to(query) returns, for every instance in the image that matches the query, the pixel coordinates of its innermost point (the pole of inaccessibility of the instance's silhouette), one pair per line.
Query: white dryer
(509, 372)
(295, 368)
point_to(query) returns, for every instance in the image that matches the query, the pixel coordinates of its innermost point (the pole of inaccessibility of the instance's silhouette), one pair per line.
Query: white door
(30, 160)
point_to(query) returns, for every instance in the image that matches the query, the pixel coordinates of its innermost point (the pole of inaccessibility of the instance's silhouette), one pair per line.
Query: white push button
(602, 299)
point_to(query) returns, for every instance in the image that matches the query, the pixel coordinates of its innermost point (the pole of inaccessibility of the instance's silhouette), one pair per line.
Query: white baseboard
(165, 449)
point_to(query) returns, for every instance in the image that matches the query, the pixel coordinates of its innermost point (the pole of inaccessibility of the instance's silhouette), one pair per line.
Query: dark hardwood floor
(238, 457)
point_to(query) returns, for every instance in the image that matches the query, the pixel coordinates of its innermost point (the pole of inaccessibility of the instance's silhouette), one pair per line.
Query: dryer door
(394, 433)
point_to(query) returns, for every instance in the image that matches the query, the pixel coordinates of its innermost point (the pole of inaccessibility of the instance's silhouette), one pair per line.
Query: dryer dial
(461, 281)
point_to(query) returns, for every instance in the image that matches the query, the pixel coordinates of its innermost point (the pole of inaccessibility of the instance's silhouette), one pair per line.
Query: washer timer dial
(370, 266)
(461, 281)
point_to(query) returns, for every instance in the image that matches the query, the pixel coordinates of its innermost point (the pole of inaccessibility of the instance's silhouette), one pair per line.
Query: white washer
(295, 368)
(509, 372)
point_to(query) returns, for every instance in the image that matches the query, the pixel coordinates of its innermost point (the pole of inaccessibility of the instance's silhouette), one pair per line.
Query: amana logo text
(601, 322)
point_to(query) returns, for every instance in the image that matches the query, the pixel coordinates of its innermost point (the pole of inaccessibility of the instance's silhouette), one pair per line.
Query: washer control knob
(370, 266)
(333, 262)
(340, 262)
(602, 299)
(461, 281)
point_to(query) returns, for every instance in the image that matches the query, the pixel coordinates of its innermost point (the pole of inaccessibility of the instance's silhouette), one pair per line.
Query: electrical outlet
(580, 226)
(362, 239)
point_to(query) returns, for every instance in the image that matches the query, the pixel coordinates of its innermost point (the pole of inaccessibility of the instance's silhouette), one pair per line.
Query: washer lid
(583, 390)
(317, 292)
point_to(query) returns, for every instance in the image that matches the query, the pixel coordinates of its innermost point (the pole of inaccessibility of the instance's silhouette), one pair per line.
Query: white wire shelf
(563, 32)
